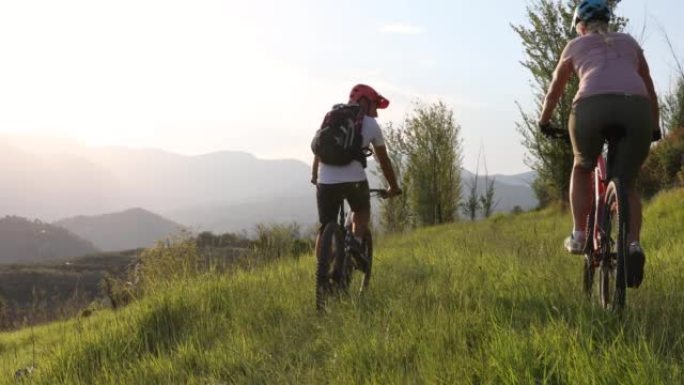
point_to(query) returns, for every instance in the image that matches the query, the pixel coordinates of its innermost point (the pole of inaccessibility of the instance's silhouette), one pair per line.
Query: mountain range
(221, 191)
(126, 230)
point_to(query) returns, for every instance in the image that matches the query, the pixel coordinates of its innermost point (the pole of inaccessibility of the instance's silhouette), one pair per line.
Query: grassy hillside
(27, 241)
(496, 302)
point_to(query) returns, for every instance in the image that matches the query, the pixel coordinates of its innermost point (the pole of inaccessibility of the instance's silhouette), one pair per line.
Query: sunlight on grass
(493, 302)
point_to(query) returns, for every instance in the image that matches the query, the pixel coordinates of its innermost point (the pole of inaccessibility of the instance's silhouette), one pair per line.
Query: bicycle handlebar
(382, 193)
(553, 132)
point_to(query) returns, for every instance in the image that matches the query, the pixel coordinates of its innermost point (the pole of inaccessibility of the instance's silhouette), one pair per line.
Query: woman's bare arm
(645, 74)
(560, 78)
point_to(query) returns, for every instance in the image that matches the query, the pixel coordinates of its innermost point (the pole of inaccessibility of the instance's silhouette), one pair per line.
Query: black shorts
(591, 121)
(329, 197)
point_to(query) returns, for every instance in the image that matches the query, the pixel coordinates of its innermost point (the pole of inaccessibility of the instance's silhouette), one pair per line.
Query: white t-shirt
(352, 172)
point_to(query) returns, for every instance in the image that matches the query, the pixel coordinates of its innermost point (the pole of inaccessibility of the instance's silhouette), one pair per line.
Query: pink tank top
(605, 64)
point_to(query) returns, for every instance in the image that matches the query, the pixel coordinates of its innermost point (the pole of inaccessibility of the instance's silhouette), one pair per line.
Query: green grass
(494, 302)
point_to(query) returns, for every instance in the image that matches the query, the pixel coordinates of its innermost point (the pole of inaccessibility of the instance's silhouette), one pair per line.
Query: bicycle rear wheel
(589, 268)
(613, 285)
(330, 257)
(363, 262)
(368, 268)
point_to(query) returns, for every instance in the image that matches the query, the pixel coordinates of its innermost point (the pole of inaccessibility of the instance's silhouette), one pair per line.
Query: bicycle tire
(588, 272)
(363, 264)
(330, 256)
(589, 268)
(368, 244)
(614, 294)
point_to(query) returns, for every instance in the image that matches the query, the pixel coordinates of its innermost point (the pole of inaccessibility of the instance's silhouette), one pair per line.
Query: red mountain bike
(336, 264)
(607, 229)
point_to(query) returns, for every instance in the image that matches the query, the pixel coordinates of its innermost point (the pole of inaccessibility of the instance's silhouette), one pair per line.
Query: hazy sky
(204, 75)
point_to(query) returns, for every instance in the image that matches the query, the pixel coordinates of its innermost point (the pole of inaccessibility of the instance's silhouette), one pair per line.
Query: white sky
(207, 75)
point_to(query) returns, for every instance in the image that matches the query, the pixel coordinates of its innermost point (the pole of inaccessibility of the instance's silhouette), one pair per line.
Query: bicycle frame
(345, 218)
(607, 189)
(601, 180)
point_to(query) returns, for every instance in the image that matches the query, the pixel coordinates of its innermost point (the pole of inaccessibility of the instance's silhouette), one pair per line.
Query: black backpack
(339, 140)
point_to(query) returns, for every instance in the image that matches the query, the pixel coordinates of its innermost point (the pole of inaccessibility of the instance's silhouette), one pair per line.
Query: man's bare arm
(387, 170)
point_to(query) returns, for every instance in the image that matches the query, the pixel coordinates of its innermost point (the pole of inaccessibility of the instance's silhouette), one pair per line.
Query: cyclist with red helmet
(616, 99)
(334, 183)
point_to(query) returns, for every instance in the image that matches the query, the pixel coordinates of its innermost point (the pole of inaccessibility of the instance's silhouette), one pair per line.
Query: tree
(395, 213)
(487, 202)
(471, 205)
(543, 40)
(430, 151)
(664, 166)
(673, 108)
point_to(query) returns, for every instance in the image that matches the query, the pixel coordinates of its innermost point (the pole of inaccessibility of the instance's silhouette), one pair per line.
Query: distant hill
(509, 190)
(245, 216)
(25, 241)
(126, 230)
(221, 191)
(91, 181)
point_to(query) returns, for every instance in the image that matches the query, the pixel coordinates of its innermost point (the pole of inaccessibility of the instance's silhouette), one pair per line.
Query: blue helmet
(590, 10)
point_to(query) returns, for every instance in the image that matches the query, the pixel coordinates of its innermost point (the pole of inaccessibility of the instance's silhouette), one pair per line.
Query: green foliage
(395, 213)
(544, 39)
(673, 108)
(168, 262)
(664, 167)
(119, 292)
(664, 164)
(476, 201)
(471, 203)
(490, 302)
(207, 239)
(278, 241)
(430, 148)
(487, 201)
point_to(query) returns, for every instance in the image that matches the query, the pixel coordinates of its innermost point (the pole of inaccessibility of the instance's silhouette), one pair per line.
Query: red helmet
(361, 90)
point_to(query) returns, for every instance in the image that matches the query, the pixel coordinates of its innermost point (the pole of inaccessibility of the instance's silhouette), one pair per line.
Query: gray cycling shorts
(624, 120)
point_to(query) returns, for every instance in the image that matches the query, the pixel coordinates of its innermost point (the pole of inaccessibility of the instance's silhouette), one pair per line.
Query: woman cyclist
(616, 99)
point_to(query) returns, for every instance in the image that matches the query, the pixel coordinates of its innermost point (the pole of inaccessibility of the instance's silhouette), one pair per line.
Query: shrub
(663, 165)
(169, 261)
(277, 241)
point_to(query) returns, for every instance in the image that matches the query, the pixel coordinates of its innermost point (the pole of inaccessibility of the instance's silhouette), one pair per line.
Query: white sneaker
(574, 246)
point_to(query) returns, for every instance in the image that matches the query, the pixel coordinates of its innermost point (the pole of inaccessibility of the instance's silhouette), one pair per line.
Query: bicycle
(607, 227)
(335, 263)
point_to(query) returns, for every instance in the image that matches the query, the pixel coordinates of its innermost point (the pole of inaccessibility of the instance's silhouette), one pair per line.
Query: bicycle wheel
(362, 262)
(588, 272)
(368, 245)
(330, 262)
(613, 284)
(589, 268)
